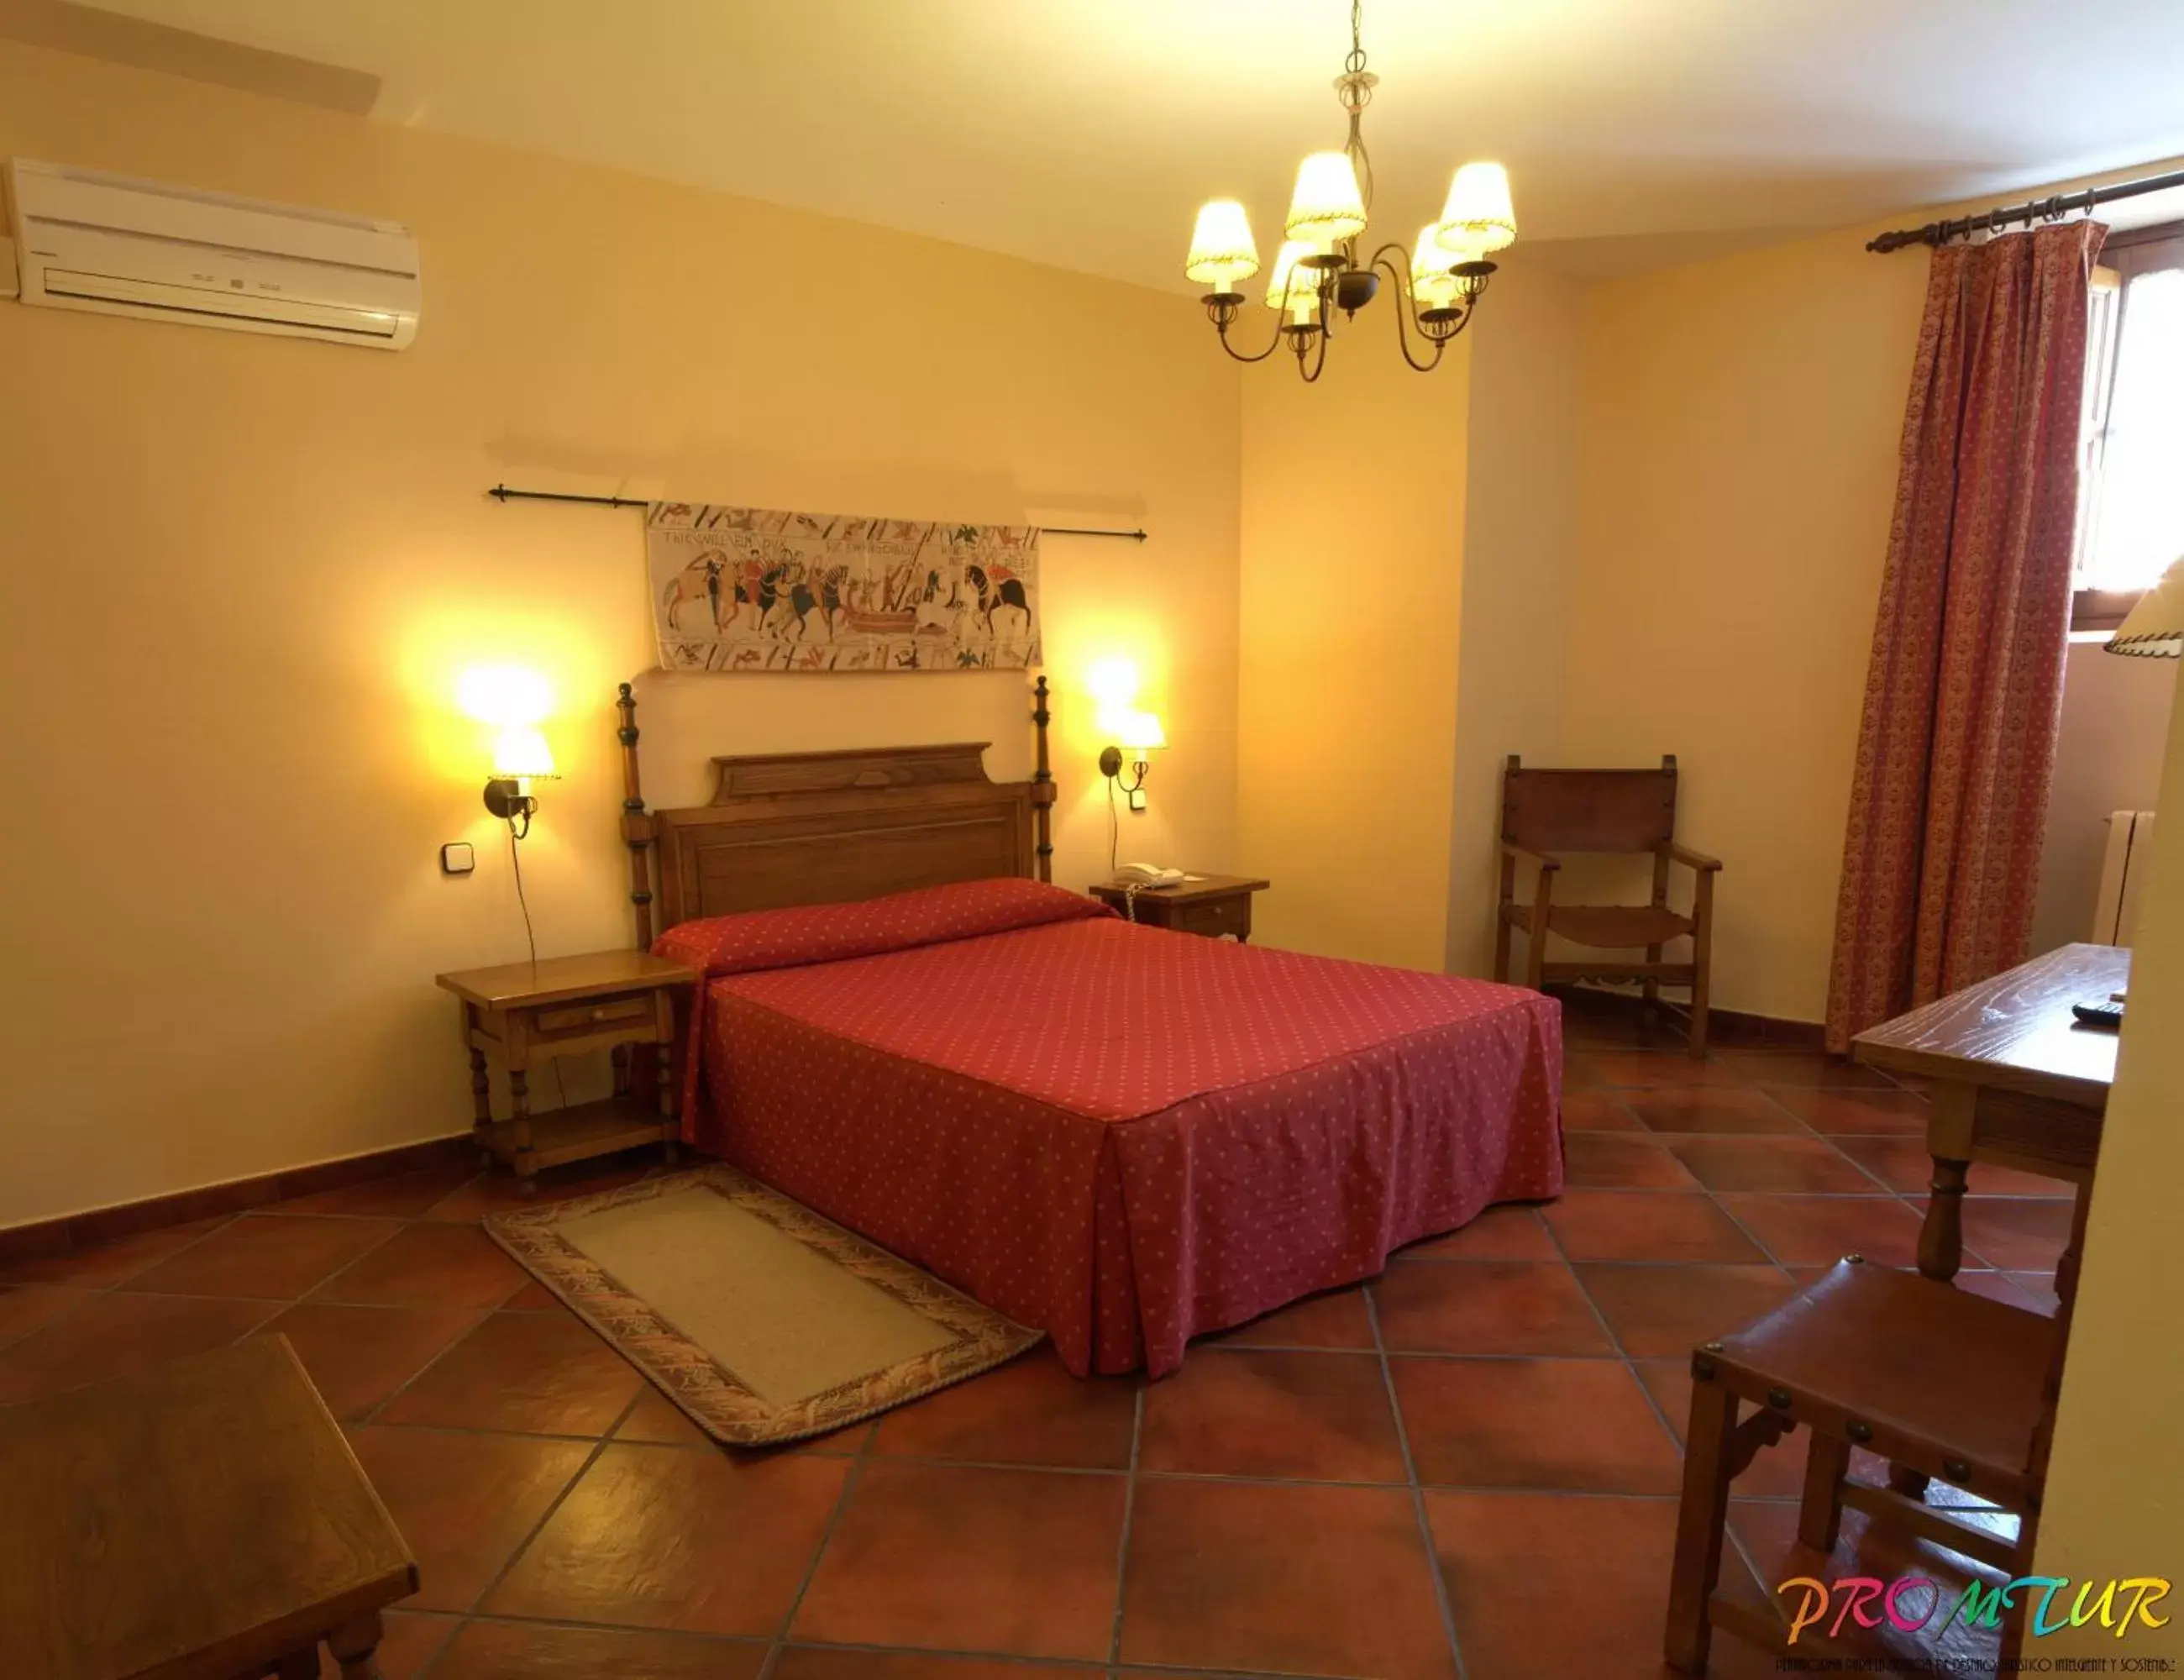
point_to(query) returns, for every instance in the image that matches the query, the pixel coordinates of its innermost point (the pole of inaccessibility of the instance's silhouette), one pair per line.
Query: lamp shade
(1327, 205)
(1223, 254)
(1478, 218)
(1294, 292)
(521, 754)
(1432, 285)
(1141, 732)
(2154, 628)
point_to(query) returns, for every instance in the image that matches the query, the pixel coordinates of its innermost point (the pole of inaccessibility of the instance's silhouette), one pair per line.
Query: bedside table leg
(481, 1105)
(667, 1115)
(518, 1104)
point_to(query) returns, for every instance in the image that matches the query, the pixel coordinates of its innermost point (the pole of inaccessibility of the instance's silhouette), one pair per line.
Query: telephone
(1149, 875)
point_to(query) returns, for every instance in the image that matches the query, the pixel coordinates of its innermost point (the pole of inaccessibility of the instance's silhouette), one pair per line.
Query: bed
(1124, 1136)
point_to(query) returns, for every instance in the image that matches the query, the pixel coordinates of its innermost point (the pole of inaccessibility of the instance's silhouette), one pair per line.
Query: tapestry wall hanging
(755, 589)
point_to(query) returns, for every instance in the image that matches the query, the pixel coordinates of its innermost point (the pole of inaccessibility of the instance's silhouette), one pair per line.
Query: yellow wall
(241, 574)
(1741, 424)
(1352, 541)
(1519, 552)
(2115, 1494)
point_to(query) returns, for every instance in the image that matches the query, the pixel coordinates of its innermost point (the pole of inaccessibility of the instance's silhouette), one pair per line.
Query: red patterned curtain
(1965, 690)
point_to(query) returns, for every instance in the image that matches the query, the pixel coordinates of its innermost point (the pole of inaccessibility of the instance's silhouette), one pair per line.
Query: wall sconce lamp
(519, 758)
(1141, 733)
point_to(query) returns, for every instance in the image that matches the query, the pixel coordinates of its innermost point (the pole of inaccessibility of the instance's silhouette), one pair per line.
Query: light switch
(456, 858)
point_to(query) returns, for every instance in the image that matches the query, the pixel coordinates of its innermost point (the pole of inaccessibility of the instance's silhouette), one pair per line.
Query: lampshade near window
(1327, 205)
(1222, 253)
(2154, 628)
(1479, 217)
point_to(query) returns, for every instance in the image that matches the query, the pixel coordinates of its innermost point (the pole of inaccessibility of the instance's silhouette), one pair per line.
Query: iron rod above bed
(501, 492)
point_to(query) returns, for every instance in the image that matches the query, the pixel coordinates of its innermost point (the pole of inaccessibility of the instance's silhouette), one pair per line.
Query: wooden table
(204, 1522)
(1211, 904)
(527, 1013)
(2017, 1081)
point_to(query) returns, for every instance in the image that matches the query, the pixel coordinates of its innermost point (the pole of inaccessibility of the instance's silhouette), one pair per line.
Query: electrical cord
(1131, 889)
(530, 939)
(516, 861)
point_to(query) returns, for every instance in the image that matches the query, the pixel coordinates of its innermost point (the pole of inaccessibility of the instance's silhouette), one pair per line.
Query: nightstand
(529, 1013)
(1211, 904)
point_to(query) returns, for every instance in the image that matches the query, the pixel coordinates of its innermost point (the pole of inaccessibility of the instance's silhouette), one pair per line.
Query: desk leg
(1942, 1239)
(1949, 1142)
(352, 1644)
(2066, 1263)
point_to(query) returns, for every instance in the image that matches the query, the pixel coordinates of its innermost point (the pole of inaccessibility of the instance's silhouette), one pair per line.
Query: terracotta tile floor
(1466, 1468)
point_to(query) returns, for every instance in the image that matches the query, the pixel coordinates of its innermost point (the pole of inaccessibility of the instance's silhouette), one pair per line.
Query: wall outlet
(457, 858)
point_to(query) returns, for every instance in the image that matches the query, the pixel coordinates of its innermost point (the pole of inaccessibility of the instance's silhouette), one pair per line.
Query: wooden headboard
(822, 828)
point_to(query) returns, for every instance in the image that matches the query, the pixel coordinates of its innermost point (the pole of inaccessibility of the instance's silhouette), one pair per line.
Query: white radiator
(2131, 840)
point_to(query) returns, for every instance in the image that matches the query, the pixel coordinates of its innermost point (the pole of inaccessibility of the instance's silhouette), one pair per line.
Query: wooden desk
(1210, 905)
(528, 1013)
(2017, 1081)
(204, 1522)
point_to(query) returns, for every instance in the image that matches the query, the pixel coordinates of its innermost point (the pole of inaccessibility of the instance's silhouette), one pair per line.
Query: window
(2130, 482)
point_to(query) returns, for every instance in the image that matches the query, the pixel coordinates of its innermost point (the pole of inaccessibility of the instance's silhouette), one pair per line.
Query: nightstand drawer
(1214, 916)
(596, 1014)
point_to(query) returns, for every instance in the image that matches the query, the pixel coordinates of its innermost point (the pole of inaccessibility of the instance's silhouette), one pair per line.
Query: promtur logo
(1912, 1604)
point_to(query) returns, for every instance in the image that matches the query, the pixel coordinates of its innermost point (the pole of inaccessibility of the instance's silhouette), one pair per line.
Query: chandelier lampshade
(1326, 206)
(1478, 218)
(1223, 254)
(1291, 287)
(1431, 283)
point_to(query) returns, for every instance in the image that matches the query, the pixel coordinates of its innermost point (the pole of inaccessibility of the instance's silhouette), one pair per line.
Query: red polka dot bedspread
(1123, 1135)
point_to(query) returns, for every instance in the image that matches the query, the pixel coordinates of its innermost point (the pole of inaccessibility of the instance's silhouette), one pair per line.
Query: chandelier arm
(1319, 362)
(1406, 303)
(1235, 354)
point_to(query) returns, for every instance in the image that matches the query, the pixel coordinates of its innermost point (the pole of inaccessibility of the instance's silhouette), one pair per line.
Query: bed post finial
(1042, 787)
(636, 824)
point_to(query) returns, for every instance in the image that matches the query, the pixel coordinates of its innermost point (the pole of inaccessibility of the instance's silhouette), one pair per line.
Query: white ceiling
(1085, 135)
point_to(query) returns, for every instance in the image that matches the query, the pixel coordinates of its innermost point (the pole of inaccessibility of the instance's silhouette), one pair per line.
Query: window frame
(2125, 255)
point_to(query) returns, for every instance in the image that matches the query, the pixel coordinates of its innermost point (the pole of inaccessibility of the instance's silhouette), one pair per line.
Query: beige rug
(764, 1322)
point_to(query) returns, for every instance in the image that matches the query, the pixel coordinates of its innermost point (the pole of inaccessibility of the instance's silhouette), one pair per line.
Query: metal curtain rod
(501, 492)
(2039, 209)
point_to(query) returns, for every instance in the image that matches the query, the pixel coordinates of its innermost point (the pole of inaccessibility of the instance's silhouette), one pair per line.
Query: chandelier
(1316, 271)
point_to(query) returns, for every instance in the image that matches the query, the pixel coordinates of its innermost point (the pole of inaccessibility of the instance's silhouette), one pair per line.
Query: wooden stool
(1947, 1383)
(205, 1521)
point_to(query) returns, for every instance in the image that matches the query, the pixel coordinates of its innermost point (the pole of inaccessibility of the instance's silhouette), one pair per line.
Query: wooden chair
(1932, 1377)
(1547, 812)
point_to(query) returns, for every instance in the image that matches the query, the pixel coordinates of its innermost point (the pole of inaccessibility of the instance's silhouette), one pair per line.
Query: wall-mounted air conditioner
(133, 248)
